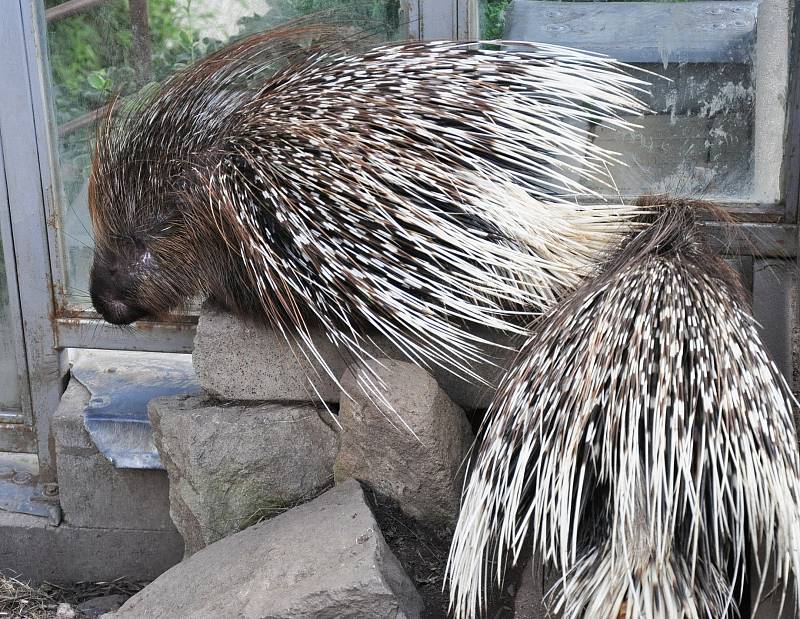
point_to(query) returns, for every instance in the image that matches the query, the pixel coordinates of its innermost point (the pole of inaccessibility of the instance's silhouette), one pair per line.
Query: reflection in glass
(9, 387)
(717, 76)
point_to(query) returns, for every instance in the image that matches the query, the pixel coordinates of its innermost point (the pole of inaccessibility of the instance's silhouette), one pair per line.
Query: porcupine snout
(113, 281)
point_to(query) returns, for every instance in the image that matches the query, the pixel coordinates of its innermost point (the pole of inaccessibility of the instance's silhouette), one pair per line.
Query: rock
(326, 558)
(423, 474)
(98, 606)
(241, 360)
(230, 465)
(65, 611)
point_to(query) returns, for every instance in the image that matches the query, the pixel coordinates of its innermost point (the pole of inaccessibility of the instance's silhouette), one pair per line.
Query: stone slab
(93, 492)
(230, 465)
(31, 550)
(240, 360)
(420, 464)
(324, 559)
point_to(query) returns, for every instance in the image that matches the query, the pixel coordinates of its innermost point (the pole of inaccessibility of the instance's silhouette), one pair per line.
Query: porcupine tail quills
(644, 440)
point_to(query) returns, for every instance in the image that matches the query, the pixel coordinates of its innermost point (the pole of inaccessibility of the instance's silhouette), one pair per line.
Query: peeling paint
(731, 97)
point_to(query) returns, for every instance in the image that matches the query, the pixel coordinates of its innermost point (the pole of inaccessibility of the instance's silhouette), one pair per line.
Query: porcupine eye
(116, 273)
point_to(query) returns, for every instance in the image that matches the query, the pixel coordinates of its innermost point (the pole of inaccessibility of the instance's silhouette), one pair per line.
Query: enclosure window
(717, 74)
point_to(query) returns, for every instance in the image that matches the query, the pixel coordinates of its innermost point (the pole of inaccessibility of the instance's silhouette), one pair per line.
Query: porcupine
(410, 190)
(643, 439)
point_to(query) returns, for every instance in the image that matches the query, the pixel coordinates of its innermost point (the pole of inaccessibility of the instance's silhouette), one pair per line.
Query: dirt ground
(422, 551)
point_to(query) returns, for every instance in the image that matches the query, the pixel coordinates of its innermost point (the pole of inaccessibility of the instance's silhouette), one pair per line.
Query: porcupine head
(157, 242)
(149, 257)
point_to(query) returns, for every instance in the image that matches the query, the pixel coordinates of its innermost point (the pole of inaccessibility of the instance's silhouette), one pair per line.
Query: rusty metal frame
(791, 155)
(441, 19)
(28, 209)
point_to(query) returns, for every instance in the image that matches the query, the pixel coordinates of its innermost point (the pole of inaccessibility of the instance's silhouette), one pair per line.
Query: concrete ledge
(33, 551)
(93, 492)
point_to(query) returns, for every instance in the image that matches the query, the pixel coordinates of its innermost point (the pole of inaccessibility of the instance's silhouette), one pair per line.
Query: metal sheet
(121, 384)
(20, 489)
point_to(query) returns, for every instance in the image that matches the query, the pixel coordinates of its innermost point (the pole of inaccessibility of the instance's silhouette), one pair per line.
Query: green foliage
(375, 16)
(92, 58)
(493, 18)
(92, 54)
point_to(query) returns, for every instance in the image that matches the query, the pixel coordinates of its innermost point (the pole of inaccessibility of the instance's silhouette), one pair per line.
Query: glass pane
(118, 46)
(718, 122)
(9, 386)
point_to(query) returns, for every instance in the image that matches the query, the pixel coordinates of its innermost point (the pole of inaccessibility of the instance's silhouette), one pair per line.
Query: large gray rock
(230, 465)
(325, 559)
(240, 360)
(424, 473)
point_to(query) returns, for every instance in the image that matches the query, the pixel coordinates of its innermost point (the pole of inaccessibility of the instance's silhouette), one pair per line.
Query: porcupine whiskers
(643, 438)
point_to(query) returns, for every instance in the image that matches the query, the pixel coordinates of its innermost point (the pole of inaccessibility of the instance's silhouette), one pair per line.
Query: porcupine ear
(643, 438)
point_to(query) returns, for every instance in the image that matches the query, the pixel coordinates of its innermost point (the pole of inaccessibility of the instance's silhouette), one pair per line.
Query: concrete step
(93, 492)
(32, 550)
(116, 522)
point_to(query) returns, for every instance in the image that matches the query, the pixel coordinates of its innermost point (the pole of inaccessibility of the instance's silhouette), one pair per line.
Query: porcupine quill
(643, 438)
(412, 191)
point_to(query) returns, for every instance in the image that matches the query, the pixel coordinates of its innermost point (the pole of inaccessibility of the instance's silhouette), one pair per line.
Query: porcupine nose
(111, 290)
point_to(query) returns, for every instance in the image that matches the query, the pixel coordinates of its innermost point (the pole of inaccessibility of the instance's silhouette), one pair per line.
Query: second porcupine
(644, 439)
(410, 190)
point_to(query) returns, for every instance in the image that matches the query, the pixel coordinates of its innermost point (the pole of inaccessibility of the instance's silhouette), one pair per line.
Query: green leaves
(100, 81)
